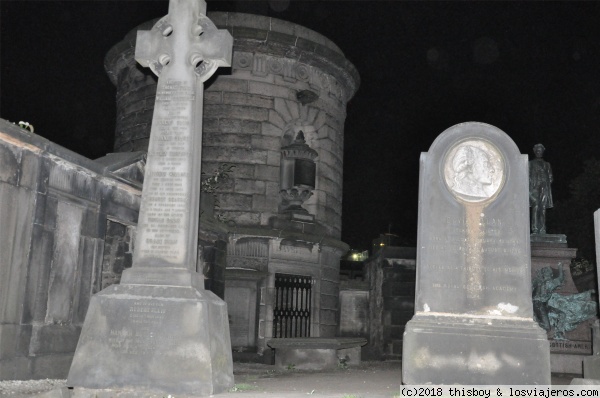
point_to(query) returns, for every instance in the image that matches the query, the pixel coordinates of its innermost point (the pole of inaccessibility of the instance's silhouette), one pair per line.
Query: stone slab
(585, 382)
(170, 339)
(566, 363)
(473, 320)
(318, 342)
(591, 367)
(316, 353)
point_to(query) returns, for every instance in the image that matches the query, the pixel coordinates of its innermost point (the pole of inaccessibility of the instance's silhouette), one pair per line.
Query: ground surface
(369, 380)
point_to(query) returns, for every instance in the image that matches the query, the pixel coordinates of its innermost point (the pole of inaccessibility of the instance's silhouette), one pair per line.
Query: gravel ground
(369, 380)
(24, 388)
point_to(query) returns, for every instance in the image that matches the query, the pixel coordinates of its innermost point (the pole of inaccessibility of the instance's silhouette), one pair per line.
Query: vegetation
(241, 387)
(211, 183)
(219, 177)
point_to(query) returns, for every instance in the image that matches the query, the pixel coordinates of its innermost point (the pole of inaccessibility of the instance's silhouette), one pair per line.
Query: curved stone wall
(253, 110)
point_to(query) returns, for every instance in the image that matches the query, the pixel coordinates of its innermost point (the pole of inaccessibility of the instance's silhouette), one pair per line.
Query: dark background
(530, 68)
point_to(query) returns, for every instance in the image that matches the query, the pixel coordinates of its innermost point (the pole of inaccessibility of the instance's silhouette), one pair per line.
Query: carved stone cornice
(267, 46)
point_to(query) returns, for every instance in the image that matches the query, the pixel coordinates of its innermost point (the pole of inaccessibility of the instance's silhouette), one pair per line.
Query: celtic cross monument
(159, 330)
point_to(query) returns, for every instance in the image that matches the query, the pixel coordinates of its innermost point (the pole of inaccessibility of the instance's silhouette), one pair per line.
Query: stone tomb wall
(64, 223)
(391, 276)
(252, 264)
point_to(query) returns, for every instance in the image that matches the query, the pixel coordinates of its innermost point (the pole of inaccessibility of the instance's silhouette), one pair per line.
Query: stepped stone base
(471, 351)
(154, 338)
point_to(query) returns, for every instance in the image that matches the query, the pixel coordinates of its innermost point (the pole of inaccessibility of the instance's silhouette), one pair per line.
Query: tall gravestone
(473, 321)
(159, 329)
(591, 364)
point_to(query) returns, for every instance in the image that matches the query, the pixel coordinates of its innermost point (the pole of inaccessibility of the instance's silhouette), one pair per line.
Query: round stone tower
(278, 116)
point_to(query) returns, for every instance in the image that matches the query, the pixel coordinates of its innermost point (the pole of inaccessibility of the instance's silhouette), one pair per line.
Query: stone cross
(183, 49)
(159, 330)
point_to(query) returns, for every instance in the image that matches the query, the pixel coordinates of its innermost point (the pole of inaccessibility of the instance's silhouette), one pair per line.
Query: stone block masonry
(65, 221)
(258, 100)
(251, 112)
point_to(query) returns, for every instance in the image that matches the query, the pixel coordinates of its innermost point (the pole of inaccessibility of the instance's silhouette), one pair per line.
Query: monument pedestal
(549, 251)
(474, 350)
(165, 338)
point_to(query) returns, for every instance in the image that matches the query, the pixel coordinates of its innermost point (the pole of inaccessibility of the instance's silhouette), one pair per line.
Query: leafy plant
(241, 387)
(24, 125)
(580, 266)
(343, 362)
(213, 182)
(220, 176)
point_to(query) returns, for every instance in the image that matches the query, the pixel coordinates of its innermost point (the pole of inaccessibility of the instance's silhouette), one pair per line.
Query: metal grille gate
(291, 315)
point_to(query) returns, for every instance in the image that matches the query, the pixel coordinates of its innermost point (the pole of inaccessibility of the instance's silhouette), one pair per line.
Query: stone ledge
(316, 353)
(318, 342)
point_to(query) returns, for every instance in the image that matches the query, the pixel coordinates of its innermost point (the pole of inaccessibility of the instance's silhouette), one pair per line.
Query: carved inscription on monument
(168, 188)
(487, 268)
(142, 340)
(571, 347)
(473, 251)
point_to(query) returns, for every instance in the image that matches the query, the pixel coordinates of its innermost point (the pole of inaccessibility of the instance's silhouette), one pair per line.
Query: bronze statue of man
(540, 194)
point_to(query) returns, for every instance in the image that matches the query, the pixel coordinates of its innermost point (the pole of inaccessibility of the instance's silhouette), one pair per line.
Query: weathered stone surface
(473, 320)
(259, 99)
(52, 251)
(354, 312)
(316, 353)
(566, 356)
(389, 308)
(156, 338)
(160, 330)
(265, 79)
(241, 297)
(591, 365)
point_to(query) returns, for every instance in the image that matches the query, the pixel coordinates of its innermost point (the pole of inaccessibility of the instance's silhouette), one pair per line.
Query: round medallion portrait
(474, 171)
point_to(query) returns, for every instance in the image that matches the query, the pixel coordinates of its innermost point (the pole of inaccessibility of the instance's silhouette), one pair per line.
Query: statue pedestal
(566, 356)
(557, 240)
(591, 365)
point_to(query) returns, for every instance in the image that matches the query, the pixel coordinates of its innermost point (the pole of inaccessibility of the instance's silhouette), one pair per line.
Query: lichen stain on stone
(474, 214)
(18, 143)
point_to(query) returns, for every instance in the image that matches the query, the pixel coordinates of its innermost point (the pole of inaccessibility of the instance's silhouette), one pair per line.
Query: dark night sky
(530, 68)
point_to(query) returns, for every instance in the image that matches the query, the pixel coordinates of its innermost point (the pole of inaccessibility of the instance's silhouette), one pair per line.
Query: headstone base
(591, 367)
(585, 382)
(471, 351)
(154, 338)
(591, 364)
(567, 363)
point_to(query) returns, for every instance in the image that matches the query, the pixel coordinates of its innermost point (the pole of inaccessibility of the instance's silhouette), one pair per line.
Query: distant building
(384, 240)
(352, 264)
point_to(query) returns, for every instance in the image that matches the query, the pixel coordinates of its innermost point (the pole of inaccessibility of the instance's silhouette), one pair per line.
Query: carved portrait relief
(474, 170)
